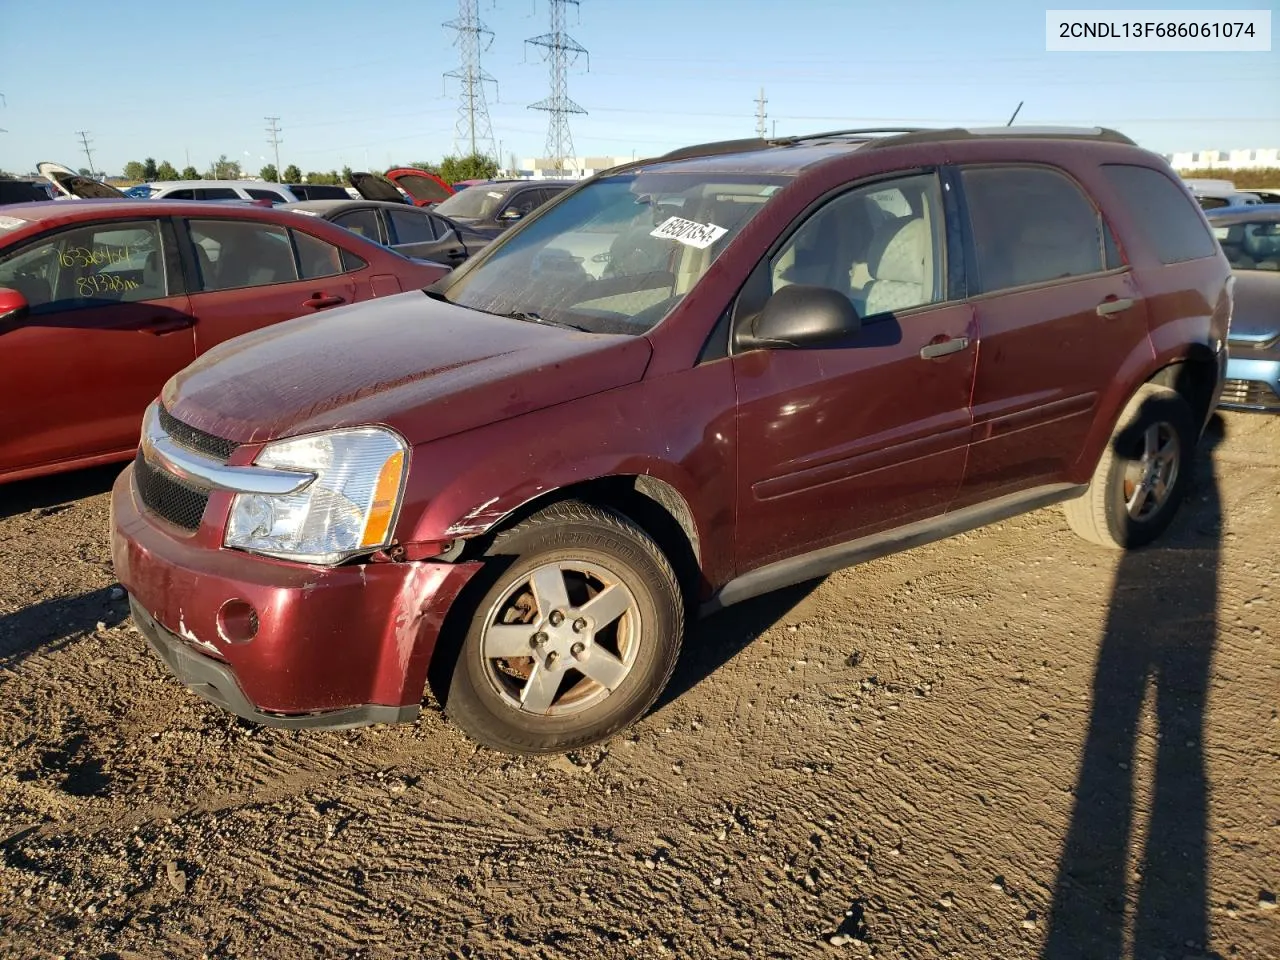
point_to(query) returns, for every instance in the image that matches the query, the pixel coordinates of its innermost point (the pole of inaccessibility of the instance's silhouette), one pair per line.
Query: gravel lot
(1010, 744)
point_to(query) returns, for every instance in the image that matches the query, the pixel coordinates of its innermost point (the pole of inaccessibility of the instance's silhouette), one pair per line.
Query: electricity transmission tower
(273, 138)
(473, 134)
(85, 141)
(761, 130)
(561, 51)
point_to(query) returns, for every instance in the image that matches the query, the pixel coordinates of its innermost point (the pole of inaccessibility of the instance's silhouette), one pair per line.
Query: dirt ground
(1010, 744)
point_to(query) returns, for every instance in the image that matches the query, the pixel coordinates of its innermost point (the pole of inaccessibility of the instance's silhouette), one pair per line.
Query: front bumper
(335, 646)
(1253, 383)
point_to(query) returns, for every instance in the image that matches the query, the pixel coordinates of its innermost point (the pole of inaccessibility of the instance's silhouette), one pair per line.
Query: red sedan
(102, 301)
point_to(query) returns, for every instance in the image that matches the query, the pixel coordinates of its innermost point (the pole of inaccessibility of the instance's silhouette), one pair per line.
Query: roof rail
(1103, 134)
(877, 137)
(856, 132)
(717, 147)
(755, 143)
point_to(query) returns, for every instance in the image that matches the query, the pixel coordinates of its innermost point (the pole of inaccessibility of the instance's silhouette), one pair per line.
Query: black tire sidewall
(1168, 407)
(479, 708)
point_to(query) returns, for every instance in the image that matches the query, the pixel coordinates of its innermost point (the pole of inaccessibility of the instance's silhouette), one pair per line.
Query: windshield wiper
(532, 317)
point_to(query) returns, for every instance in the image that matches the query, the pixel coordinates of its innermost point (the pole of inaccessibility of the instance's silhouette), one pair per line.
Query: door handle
(1108, 307)
(318, 301)
(456, 254)
(158, 325)
(931, 351)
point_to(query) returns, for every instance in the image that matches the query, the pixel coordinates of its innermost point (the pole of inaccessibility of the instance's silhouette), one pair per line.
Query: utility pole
(561, 51)
(761, 129)
(273, 138)
(85, 141)
(472, 38)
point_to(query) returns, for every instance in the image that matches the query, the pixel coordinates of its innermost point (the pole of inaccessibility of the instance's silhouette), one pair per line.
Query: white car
(216, 190)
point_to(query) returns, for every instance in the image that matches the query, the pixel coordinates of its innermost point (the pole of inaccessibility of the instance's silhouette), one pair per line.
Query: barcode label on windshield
(700, 235)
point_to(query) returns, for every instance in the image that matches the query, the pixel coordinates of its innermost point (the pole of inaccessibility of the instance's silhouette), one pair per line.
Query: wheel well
(653, 505)
(1195, 379)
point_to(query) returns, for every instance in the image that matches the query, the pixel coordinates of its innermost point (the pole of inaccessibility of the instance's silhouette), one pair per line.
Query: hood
(1255, 320)
(422, 186)
(71, 184)
(374, 186)
(424, 367)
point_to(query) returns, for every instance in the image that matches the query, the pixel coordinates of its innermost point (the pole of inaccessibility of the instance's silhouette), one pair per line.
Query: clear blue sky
(365, 88)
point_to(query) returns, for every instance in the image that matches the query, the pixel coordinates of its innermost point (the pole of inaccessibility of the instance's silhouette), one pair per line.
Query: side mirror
(511, 213)
(801, 315)
(13, 306)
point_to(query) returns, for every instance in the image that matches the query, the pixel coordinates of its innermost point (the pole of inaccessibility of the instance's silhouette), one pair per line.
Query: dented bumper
(350, 641)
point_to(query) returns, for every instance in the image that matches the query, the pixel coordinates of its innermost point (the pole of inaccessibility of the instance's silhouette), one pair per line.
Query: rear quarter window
(1165, 213)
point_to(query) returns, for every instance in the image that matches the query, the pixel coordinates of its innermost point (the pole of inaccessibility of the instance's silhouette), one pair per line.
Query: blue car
(1250, 237)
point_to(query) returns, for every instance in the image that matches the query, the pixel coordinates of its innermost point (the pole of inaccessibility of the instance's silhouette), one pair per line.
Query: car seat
(900, 263)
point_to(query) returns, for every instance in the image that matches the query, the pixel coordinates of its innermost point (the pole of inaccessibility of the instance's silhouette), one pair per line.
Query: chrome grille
(168, 497)
(198, 440)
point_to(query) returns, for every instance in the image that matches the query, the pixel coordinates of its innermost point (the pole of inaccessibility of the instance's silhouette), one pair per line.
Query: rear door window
(258, 194)
(1030, 225)
(1163, 211)
(111, 262)
(316, 257)
(218, 193)
(364, 222)
(232, 254)
(184, 194)
(411, 228)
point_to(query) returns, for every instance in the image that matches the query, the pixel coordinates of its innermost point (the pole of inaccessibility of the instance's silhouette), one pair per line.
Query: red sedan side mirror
(13, 306)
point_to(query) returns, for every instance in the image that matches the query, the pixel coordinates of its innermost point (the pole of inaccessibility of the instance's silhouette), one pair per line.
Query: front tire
(574, 639)
(1143, 474)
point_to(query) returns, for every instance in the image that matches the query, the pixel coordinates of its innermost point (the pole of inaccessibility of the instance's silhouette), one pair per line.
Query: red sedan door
(249, 274)
(108, 326)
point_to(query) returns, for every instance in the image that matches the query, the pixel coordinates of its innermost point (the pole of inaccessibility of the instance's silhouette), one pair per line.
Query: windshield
(617, 255)
(473, 204)
(1251, 246)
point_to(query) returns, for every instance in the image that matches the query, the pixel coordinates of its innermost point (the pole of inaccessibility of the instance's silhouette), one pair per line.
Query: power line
(273, 138)
(85, 141)
(561, 51)
(472, 38)
(761, 129)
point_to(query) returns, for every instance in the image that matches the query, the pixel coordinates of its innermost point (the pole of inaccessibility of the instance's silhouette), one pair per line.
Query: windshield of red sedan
(615, 256)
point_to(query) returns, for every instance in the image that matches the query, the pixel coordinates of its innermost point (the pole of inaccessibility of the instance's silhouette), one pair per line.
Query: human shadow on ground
(51, 493)
(1158, 643)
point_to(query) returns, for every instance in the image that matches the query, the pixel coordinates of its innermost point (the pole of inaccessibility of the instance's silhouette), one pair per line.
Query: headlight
(349, 508)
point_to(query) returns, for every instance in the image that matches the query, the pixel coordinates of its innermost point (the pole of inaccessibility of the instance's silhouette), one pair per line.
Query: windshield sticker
(689, 232)
(306, 213)
(495, 194)
(11, 223)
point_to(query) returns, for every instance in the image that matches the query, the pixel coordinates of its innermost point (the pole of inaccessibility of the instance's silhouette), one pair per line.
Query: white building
(541, 168)
(1224, 159)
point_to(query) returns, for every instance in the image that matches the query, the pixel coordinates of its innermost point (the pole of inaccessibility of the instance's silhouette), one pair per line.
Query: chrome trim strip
(209, 474)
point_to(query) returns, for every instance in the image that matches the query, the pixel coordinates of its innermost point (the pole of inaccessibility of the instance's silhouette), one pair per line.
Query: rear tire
(1143, 474)
(575, 638)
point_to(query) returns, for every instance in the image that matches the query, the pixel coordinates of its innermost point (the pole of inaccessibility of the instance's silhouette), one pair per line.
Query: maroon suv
(683, 383)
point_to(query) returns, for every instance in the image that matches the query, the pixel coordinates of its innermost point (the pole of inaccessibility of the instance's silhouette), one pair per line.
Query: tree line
(450, 169)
